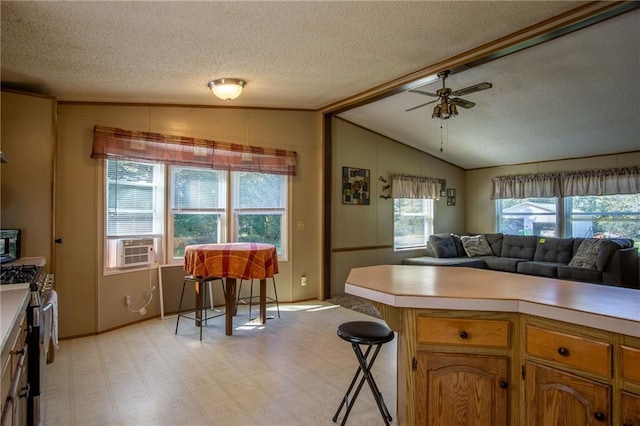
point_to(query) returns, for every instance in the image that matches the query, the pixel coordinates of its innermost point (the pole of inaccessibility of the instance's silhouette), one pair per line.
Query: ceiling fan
(447, 106)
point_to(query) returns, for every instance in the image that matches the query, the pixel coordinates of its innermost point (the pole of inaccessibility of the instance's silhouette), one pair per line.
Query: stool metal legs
(365, 368)
(201, 285)
(251, 296)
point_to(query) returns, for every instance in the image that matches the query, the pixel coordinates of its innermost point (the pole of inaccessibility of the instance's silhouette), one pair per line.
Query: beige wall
(481, 209)
(27, 191)
(91, 301)
(363, 235)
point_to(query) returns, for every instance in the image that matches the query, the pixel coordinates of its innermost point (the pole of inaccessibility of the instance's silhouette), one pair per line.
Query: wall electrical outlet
(127, 299)
(303, 281)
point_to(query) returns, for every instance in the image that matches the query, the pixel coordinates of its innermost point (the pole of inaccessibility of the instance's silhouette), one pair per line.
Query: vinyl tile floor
(292, 371)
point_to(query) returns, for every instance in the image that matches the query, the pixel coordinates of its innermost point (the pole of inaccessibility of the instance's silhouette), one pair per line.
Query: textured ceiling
(575, 96)
(308, 55)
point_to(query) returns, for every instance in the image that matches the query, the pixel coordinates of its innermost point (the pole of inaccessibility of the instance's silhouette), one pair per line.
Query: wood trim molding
(344, 249)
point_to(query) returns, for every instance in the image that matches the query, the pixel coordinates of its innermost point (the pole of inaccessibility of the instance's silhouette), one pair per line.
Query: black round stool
(370, 334)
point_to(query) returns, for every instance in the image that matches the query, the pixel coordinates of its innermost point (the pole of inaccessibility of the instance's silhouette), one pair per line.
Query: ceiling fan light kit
(447, 106)
(227, 88)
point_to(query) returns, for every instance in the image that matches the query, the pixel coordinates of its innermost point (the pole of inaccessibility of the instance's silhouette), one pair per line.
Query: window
(259, 207)
(605, 216)
(134, 204)
(198, 208)
(593, 216)
(198, 203)
(412, 222)
(528, 216)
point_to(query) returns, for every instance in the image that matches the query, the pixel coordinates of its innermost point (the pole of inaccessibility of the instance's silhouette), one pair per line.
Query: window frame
(564, 215)
(429, 224)
(222, 212)
(164, 238)
(235, 212)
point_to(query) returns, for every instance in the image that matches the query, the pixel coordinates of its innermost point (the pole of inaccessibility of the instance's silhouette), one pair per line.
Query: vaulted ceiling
(573, 96)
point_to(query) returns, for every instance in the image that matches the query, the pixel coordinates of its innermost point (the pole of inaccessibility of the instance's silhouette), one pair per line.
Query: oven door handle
(47, 315)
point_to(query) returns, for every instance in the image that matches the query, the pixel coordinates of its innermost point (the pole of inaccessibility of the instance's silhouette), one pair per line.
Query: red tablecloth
(233, 260)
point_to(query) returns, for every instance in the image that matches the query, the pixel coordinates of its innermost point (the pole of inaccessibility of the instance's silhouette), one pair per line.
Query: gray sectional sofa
(601, 261)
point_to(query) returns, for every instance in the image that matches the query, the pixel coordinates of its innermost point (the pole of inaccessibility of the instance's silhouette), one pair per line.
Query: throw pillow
(459, 247)
(476, 245)
(443, 246)
(586, 254)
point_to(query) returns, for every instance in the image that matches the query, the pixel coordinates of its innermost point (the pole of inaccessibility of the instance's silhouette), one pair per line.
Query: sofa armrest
(622, 270)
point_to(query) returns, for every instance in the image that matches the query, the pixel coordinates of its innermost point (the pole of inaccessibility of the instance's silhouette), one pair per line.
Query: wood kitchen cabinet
(14, 376)
(630, 411)
(554, 397)
(461, 389)
(462, 371)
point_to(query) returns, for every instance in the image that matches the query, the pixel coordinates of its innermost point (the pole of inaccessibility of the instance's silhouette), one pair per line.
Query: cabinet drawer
(579, 352)
(469, 332)
(630, 364)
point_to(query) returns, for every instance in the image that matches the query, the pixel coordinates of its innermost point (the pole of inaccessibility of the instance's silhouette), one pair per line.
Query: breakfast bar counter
(450, 320)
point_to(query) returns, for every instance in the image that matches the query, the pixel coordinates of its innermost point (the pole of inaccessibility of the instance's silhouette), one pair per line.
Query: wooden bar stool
(370, 334)
(200, 312)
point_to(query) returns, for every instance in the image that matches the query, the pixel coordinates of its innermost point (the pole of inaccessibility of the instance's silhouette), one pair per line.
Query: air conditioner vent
(135, 252)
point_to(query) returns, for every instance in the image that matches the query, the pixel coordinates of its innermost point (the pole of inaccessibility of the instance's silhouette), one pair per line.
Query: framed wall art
(355, 186)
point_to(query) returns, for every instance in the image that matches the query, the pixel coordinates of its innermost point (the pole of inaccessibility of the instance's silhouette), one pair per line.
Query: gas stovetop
(18, 274)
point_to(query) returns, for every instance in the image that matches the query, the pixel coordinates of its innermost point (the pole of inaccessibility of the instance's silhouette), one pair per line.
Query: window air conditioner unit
(135, 252)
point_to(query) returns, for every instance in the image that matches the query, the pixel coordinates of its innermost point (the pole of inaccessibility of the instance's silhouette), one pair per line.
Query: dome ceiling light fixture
(227, 88)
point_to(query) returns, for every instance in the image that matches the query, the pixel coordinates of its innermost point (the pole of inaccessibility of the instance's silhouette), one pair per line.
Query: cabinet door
(557, 398)
(630, 409)
(460, 389)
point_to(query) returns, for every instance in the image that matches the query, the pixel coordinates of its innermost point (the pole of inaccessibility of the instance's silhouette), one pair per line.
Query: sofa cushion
(519, 246)
(476, 245)
(587, 254)
(495, 241)
(443, 246)
(431, 250)
(557, 250)
(506, 264)
(608, 248)
(541, 269)
(579, 274)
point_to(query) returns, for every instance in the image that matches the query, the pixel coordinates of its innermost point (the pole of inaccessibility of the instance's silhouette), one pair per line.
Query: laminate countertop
(457, 288)
(13, 301)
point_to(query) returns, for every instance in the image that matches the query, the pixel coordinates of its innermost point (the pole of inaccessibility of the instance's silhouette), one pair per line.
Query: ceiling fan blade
(471, 89)
(424, 93)
(420, 106)
(462, 103)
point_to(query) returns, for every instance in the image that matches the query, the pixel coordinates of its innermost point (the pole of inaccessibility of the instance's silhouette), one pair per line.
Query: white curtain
(602, 182)
(524, 186)
(403, 186)
(567, 184)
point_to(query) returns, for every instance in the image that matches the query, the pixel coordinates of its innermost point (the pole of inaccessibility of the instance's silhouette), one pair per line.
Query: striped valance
(109, 142)
(567, 184)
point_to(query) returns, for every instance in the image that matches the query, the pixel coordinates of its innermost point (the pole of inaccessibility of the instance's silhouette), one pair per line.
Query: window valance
(111, 142)
(566, 184)
(403, 186)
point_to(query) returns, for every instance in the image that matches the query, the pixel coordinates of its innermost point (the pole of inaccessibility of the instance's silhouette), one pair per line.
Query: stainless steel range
(39, 320)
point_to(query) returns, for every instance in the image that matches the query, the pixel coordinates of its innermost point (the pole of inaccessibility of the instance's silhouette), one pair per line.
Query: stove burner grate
(18, 274)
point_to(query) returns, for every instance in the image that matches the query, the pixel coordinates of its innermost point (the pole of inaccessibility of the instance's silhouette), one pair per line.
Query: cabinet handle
(504, 384)
(563, 351)
(599, 416)
(464, 334)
